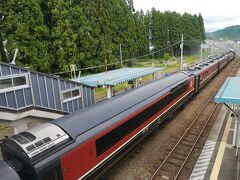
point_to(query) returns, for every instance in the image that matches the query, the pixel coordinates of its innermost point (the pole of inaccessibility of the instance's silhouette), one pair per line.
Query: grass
(171, 65)
(101, 93)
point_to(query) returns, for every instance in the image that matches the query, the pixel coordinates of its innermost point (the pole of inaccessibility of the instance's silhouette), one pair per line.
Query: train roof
(82, 121)
(65, 133)
(200, 67)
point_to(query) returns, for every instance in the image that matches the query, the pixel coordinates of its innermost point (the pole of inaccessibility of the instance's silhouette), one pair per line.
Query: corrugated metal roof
(115, 77)
(229, 92)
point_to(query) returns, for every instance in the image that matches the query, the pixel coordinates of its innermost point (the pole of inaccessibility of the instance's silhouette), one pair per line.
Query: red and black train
(87, 143)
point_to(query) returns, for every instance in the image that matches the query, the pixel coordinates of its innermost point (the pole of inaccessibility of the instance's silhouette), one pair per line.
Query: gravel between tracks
(143, 160)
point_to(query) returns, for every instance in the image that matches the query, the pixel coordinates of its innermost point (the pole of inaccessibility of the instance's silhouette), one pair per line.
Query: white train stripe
(135, 135)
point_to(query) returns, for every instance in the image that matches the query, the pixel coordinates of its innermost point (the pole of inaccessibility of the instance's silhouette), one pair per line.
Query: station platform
(219, 158)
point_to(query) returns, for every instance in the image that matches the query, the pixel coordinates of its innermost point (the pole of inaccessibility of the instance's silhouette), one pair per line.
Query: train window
(53, 174)
(110, 139)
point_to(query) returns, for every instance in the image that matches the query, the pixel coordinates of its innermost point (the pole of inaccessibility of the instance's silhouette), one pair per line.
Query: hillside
(231, 32)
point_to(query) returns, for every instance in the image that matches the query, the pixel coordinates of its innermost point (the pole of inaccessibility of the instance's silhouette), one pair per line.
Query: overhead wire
(115, 63)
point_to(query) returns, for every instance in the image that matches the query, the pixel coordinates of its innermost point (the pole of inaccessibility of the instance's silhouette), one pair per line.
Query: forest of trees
(52, 34)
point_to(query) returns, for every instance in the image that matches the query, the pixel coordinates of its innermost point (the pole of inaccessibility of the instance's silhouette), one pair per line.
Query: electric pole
(181, 47)
(121, 54)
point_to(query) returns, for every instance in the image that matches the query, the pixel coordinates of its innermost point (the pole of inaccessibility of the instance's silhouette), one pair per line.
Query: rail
(186, 136)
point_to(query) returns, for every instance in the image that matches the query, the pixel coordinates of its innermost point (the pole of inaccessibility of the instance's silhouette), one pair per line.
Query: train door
(197, 83)
(218, 66)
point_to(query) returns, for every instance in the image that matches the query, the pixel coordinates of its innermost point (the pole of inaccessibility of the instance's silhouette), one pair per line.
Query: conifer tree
(53, 34)
(24, 29)
(201, 26)
(131, 5)
(160, 31)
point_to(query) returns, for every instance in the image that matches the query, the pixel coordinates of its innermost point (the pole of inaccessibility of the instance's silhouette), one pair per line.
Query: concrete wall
(25, 123)
(6, 131)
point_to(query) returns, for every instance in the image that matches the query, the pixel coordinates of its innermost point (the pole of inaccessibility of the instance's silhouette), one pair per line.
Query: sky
(217, 14)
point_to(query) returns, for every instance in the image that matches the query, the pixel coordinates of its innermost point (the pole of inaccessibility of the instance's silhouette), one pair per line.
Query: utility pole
(201, 52)
(153, 59)
(181, 47)
(121, 54)
(169, 45)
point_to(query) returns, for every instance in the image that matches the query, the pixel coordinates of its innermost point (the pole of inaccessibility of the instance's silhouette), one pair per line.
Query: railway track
(172, 166)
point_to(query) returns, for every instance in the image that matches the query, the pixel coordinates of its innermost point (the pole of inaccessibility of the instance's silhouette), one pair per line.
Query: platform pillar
(135, 83)
(237, 140)
(153, 76)
(109, 92)
(235, 134)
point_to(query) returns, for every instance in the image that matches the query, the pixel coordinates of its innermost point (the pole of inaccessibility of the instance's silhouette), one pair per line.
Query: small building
(29, 97)
(112, 78)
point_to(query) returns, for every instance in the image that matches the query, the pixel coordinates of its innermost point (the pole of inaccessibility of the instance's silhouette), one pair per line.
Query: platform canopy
(229, 92)
(114, 77)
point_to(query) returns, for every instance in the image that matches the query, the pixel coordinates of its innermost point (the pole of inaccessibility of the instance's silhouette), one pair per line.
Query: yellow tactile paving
(218, 161)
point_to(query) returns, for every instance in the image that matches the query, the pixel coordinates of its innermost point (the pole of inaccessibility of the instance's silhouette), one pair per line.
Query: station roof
(114, 77)
(229, 92)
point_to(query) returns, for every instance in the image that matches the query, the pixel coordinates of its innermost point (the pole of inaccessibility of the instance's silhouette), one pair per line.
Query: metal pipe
(231, 110)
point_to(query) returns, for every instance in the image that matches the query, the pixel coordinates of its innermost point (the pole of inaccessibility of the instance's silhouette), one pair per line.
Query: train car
(85, 144)
(231, 55)
(206, 70)
(224, 59)
(203, 72)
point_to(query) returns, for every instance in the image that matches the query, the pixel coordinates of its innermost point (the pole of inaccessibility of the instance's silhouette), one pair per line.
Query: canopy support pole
(109, 92)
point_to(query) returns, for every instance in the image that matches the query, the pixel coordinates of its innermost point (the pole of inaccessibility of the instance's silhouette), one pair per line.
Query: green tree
(3, 55)
(142, 25)
(131, 5)
(53, 34)
(160, 31)
(62, 37)
(2, 51)
(24, 28)
(124, 26)
(175, 31)
(201, 26)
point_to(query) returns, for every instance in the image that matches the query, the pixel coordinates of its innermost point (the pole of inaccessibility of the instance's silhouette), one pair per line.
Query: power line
(115, 63)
